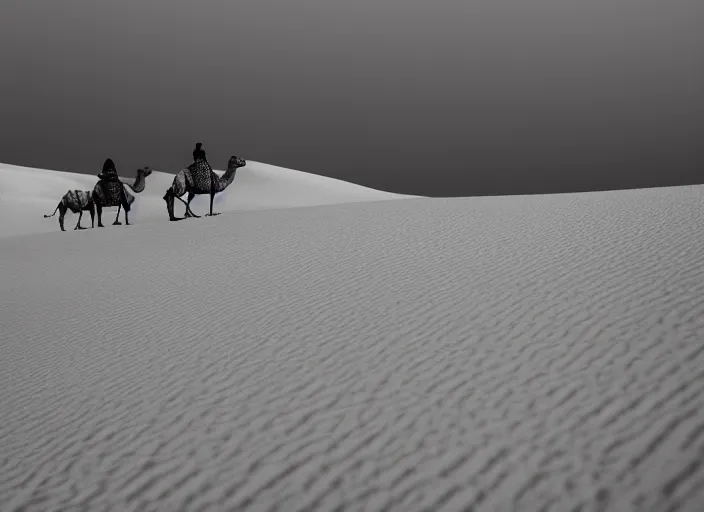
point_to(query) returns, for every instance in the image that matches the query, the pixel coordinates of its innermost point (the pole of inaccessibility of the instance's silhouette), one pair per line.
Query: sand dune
(26, 194)
(510, 353)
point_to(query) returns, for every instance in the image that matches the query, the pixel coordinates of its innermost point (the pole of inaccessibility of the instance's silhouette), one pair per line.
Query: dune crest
(28, 193)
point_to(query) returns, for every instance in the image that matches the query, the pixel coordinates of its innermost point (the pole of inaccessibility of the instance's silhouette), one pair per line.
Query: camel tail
(57, 208)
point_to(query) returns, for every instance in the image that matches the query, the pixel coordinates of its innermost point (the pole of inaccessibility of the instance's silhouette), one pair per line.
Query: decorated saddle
(200, 175)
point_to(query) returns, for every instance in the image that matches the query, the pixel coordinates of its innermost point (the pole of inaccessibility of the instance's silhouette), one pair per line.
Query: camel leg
(169, 206)
(91, 209)
(169, 198)
(211, 214)
(78, 224)
(188, 208)
(117, 217)
(189, 212)
(62, 214)
(99, 209)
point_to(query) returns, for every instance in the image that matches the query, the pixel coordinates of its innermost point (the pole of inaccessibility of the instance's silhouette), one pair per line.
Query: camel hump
(199, 175)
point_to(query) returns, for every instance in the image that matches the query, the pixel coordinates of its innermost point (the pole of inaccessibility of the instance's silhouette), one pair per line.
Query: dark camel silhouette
(110, 191)
(77, 201)
(197, 179)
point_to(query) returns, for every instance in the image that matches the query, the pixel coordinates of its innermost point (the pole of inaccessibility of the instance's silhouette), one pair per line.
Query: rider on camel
(109, 174)
(109, 171)
(199, 152)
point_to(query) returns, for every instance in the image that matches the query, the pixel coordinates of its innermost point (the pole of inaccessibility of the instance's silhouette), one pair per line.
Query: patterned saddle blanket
(200, 175)
(77, 200)
(112, 192)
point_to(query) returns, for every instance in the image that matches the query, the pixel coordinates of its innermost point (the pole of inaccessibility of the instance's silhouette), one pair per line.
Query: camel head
(236, 162)
(144, 171)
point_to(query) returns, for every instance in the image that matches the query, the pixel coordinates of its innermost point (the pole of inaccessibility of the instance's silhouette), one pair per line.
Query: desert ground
(320, 346)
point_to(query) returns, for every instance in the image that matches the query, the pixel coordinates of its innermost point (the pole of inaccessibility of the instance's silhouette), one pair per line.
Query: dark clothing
(200, 176)
(109, 181)
(109, 177)
(109, 171)
(198, 153)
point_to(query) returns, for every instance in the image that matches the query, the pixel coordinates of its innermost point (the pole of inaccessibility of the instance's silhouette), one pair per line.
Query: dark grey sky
(441, 97)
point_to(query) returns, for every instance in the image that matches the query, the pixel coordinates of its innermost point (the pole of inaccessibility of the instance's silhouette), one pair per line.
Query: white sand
(26, 194)
(512, 353)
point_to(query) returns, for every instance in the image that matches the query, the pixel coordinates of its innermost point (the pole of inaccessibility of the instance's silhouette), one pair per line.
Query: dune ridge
(26, 194)
(508, 353)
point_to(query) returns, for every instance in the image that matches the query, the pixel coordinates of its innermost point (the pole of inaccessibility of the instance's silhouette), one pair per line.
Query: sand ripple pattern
(519, 353)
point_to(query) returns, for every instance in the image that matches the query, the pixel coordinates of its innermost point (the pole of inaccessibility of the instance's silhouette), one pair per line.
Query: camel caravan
(196, 179)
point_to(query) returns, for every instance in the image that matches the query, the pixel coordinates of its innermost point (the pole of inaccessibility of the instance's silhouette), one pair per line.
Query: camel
(199, 179)
(77, 201)
(108, 193)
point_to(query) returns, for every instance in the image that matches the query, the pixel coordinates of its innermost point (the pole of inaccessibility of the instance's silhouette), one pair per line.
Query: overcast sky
(441, 97)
